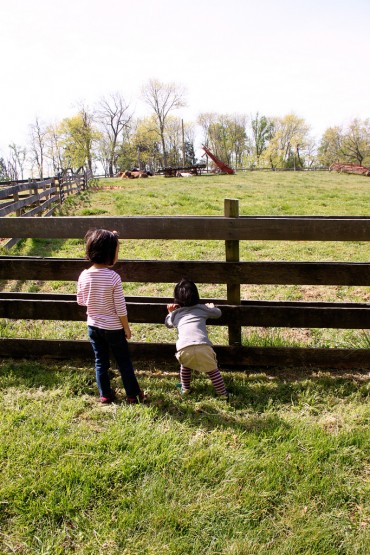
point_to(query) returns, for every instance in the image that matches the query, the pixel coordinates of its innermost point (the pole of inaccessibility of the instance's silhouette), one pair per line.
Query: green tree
(331, 146)
(289, 142)
(79, 136)
(189, 142)
(356, 142)
(350, 145)
(141, 147)
(227, 138)
(4, 176)
(262, 129)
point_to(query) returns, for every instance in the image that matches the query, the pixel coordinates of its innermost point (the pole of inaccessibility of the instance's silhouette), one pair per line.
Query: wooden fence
(235, 312)
(38, 198)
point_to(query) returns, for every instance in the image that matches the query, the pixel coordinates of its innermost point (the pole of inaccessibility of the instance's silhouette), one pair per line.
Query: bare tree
(17, 158)
(189, 132)
(163, 98)
(114, 116)
(205, 120)
(38, 135)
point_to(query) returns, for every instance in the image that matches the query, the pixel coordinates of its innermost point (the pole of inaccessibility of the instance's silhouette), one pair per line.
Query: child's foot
(181, 390)
(106, 400)
(141, 398)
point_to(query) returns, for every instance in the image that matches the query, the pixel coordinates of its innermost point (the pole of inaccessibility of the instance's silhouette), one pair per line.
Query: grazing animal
(184, 174)
(133, 174)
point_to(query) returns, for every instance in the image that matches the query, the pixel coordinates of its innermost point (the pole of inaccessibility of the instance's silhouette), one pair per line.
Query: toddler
(194, 349)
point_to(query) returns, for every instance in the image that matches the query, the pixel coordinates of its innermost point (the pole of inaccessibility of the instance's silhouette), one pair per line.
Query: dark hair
(186, 293)
(101, 246)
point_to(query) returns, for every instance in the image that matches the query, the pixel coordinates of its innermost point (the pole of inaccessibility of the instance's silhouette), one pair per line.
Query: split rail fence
(29, 198)
(236, 313)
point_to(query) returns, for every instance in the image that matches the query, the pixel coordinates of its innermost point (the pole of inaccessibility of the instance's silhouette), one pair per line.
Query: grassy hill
(282, 469)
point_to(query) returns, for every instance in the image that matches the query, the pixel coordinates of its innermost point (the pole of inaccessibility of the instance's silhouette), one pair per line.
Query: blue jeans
(102, 341)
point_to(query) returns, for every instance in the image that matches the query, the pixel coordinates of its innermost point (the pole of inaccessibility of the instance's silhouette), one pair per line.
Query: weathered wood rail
(38, 197)
(232, 272)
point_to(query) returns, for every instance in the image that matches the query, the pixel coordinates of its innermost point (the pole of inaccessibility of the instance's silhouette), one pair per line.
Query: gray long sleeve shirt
(190, 322)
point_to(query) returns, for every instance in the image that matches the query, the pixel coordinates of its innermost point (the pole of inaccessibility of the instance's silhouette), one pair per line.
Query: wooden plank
(37, 210)
(7, 203)
(9, 244)
(51, 211)
(11, 190)
(286, 357)
(231, 357)
(18, 205)
(196, 227)
(294, 273)
(6, 295)
(29, 201)
(256, 314)
(51, 191)
(231, 210)
(26, 186)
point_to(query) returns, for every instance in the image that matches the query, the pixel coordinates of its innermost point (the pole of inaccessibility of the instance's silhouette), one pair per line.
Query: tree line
(109, 136)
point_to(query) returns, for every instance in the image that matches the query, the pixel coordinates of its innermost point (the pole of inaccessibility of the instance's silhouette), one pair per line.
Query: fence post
(231, 210)
(16, 199)
(61, 189)
(35, 191)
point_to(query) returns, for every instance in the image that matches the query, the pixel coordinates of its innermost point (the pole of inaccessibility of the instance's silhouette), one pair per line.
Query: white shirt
(100, 290)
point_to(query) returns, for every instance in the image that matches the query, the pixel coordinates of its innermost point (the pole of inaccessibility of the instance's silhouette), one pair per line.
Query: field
(282, 469)
(259, 193)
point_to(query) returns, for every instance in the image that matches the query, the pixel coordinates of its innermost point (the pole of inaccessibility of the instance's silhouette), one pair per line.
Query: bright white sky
(309, 57)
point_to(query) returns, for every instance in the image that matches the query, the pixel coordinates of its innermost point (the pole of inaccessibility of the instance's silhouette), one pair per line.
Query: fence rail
(236, 313)
(262, 228)
(27, 199)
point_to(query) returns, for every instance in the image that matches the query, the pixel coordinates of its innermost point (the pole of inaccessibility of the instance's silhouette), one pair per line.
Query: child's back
(193, 346)
(191, 324)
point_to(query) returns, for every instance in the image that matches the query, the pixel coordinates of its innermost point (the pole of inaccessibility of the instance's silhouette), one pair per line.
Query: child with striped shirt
(99, 288)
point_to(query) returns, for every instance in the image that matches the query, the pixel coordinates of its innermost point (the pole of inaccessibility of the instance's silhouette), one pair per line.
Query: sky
(274, 57)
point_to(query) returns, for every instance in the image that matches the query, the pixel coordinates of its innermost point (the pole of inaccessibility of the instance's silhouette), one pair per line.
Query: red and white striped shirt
(100, 290)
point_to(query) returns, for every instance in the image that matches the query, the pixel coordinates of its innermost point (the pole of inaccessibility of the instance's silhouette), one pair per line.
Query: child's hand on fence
(172, 306)
(210, 305)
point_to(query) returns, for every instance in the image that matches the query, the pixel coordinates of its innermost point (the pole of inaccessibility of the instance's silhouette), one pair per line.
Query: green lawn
(283, 469)
(271, 193)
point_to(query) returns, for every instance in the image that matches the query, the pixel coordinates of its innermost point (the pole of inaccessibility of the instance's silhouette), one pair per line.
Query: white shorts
(198, 357)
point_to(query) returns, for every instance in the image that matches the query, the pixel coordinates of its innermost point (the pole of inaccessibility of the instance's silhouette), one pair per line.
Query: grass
(259, 193)
(283, 469)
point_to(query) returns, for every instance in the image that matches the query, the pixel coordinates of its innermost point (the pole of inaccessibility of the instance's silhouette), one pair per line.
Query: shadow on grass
(75, 379)
(255, 397)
